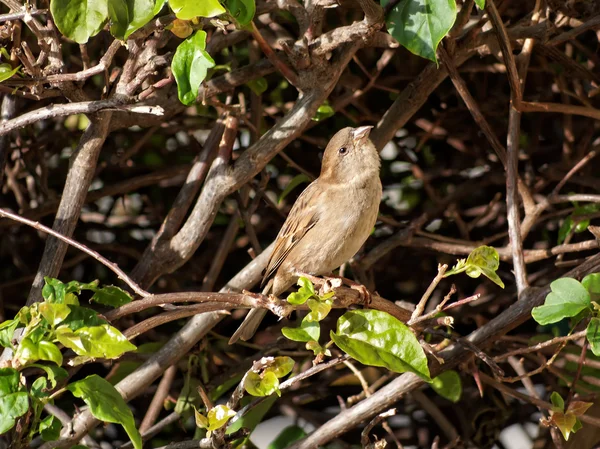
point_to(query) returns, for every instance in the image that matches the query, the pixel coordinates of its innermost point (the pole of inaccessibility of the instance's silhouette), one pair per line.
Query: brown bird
(330, 220)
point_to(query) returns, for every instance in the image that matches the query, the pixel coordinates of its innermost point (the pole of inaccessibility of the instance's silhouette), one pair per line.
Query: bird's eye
(343, 150)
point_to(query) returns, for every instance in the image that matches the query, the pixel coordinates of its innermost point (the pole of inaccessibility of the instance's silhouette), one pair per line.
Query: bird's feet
(331, 282)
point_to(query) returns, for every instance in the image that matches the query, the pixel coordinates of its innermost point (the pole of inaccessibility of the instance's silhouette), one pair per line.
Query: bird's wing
(303, 216)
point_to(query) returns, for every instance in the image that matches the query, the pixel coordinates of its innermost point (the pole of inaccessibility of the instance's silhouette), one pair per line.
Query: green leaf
(484, 260)
(567, 298)
(259, 86)
(188, 9)
(376, 338)
(188, 397)
(557, 401)
(592, 284)
(127, 16)
(50, 428)
(190, 65)
(106, 404)
(254, 416)
(97, 341)
(77, 287)
(298, 334)
(448, 385)
(6, 71)
(55, 373)
(82, 317)
(306, 291)
(53, 291)
(7, 329)
(218, 416)
(480, 4)
(79, 19)
(593, 335)
(241, 10)
(54, 313)
(261, 385)
(282, 366)
(420, 25)
(112, 296)
(38, 389)
(295, 182)
(324, 112)
(201, 420)
(319, 310)
(14, 401)
(286, 437)
(29, 352)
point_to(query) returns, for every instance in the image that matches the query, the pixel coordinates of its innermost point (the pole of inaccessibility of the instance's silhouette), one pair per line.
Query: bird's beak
(360, 135)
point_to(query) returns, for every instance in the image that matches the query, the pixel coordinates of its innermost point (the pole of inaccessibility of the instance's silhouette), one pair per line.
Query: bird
(330, 220)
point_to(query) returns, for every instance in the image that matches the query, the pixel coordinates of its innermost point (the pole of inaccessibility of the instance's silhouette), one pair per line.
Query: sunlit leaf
(448, 385)
(567, 298)
(14, 401)
(79, 19)
(189, 9)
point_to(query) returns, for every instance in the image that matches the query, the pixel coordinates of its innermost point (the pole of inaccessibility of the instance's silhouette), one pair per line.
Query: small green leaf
(297, 333)
(188, 9)
(448, 385)
(593, 335)
(50, 428)
(295, 182)
(54, 313)
(7, 330)
(306, 291)
(286, 437)
(557, 401)
(190, 65)
(480, 4)
(484, 260)
(324, 112)
(6, 71)
(592, 284)
(14, 401)
(29, 352)
(282, 366)
(79, 19)
(127, 16)
(106, 404)
(201, 420)
(77, 287)
(53, 291)
(420, 25)
(112, 296)
(82, 317)
(319, 310)
(241, 10)
(259, 86)
(565, 423)
(567, 298)
(55, 373)
(376, 338)
(218, 416)
(261, 385)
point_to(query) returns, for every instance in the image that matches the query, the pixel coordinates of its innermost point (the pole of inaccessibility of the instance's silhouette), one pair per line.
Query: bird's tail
(248, 328)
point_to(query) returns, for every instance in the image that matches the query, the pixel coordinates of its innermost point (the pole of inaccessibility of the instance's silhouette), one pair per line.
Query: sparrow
(330, 220)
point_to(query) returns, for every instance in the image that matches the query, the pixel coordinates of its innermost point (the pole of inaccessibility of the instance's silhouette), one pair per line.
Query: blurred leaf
(484, 260)
(189, 9)
(258, 86)
(281, 366)
(567, 298)
(6, 71)
(79, 19)
(286, 437)
(53, 290)
(241, 10)
(324, 112)
(448, 385)
(376, 338)
(188, 397)
(181, 28)
(480, 3)
(106, 404)
(190, 65)
(578, 408)
(201, 420)
(593, 335)
(14, 401)
(96, 341)
(295, 182)
(50, 428)
(557, 401)
(54, 313)
(7, 329)
(592, 284)
(420, 25)
(565, 423)
(112, 296)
